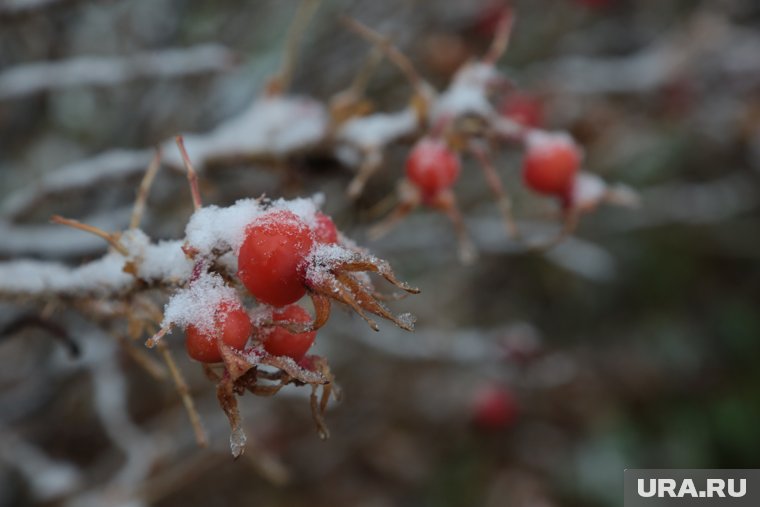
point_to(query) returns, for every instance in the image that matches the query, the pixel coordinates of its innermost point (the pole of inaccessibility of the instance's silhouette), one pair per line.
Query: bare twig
(142, 192)
(279, 83)
(111, 238)
(31, 78)
(184, 393)
(192, 177)
(387, 47)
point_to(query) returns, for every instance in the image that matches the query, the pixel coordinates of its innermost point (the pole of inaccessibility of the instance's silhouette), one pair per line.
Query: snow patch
(197, 304)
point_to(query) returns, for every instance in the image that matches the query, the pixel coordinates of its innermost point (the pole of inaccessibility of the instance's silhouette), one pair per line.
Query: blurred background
(533, 379)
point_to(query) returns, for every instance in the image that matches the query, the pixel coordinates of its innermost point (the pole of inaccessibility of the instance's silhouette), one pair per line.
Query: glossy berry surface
(432, 166)
(494, 408)
(551, 163)
(231, 321)
(271, 261)
(279, 341)
(325, 230)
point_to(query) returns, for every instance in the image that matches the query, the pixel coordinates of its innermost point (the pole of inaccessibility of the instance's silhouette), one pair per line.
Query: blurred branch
(15, 7)
(30, 78)
(48, 479)
(54, 241)
(706, 43)
(111, 165)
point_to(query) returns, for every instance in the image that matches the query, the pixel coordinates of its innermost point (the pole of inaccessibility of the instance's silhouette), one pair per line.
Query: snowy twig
(31, 78)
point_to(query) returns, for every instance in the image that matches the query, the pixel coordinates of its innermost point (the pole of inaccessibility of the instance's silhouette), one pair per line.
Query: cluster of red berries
(272, 266)
(550, 165)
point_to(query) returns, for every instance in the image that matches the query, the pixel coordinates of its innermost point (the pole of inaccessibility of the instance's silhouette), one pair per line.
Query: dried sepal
(227, 400)
(334, 273)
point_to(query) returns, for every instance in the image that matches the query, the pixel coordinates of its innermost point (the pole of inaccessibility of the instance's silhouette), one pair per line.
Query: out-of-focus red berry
(279, 341)
(272, 259)
(325, 230)
(524, 109)
(231, 321)
(494, 408)
(432, 166)
(551, 163)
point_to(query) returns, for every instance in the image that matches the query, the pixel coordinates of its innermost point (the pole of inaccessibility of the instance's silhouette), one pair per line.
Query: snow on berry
(197, 304)
(232, 326)
(432, 166)
(272, 258)
(325, 230)
(551, 162)
(215, 228)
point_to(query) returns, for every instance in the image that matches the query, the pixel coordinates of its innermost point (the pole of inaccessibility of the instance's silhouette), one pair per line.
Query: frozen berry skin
(278, 341)
(272, 258)
(494, 408)
(325, 230)
(231, 321)
(432, 166)
(551, 163)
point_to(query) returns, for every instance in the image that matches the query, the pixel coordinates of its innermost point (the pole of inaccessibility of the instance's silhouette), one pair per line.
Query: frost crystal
(237, 441)
(323, 258)
(212, 227)
(197, 304)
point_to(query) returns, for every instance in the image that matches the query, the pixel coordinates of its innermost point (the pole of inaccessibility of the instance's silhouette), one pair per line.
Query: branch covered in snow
(705, 44)
(31, 78)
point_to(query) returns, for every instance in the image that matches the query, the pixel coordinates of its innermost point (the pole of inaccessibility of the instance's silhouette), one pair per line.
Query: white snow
(216, 228)
(588, 190)
(213, 227)
(467, 93)
(162, 261)
(271, 125)
(377, 130)
(197, 304)
(303, 208)
(323, 258)
(538, 140)
(37, 277)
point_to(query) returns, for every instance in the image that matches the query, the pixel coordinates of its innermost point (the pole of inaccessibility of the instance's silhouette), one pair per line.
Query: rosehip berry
(278, 341)
(551, 163)
(523, 109)
(494, 408)
(432, 166)
(271, 261)
(325, 230)
(231, 321)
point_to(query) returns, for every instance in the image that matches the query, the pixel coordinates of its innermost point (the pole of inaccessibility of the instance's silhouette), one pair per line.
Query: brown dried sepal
(347, 283)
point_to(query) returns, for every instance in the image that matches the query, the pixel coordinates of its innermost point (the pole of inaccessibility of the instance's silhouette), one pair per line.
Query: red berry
(432, 166)
(551, 163)
(278, 341)
(523, 109)
(325, 230)
(494, 408)
(271, 262)
(231, 320)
